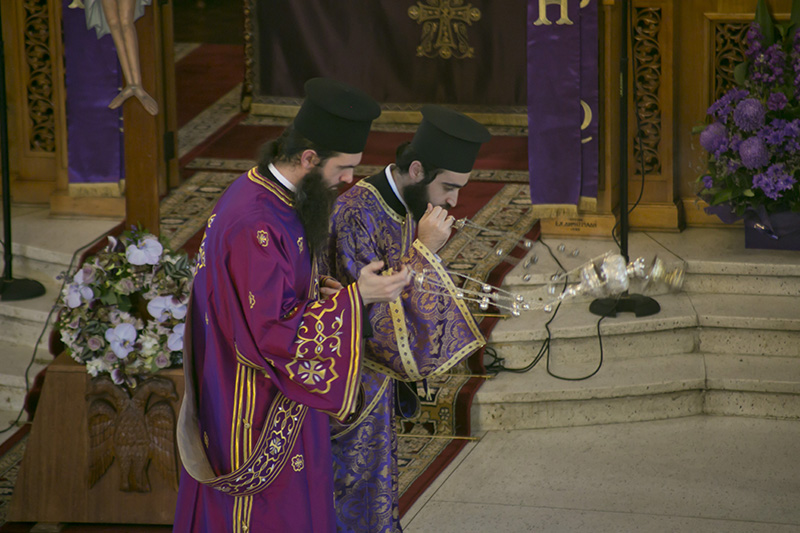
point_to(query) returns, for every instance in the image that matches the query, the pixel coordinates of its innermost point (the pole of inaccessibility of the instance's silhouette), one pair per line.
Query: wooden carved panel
(41, 114)
(136, 428)
(647, 64)
(729, 47)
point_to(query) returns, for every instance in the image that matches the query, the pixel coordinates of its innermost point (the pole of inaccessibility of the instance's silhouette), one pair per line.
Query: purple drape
(93, 79)
(562, 94)
(373, 44)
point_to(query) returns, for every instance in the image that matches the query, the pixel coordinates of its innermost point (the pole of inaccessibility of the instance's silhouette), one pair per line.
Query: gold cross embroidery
(263, 238)
(300, 244)
(311, 372)
(442, 20)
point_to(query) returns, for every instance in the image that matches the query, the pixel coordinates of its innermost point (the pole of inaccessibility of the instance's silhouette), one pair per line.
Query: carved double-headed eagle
(136, 430)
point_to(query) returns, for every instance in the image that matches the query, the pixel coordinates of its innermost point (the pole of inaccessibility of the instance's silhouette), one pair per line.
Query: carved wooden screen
(34, 79)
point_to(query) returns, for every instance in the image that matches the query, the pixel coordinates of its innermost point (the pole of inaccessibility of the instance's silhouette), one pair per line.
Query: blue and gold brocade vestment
(420, 335)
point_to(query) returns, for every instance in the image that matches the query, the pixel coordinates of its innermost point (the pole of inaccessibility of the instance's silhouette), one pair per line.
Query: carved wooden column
(652, 70)
(35, 89)
(652, 66)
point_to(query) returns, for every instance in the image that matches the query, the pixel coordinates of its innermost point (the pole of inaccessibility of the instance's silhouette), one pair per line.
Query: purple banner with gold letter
(563, 98)
(93, 79)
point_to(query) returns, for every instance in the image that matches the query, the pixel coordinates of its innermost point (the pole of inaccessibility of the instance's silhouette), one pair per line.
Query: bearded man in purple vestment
(268, 362)
(399, 216)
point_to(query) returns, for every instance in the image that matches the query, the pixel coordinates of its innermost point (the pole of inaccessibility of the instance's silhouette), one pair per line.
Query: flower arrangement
(123, 311)
(754, 140)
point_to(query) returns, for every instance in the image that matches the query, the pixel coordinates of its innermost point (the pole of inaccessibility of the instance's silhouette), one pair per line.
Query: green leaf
(749, 193)
(764, 19)
(740, 73)
(124, 303)
(109, 298)
(722, 196)
(698, 129)
(782, 29)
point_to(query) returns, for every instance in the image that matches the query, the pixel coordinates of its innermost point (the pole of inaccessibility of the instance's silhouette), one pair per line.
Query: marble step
(711, 323)
(22, 321)
(14, 359)
(715, 261)
(655, 388)
(43, 244)
(744, 324)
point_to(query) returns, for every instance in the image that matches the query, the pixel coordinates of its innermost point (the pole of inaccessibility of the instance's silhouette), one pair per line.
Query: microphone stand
(10, 288)
(631, 303)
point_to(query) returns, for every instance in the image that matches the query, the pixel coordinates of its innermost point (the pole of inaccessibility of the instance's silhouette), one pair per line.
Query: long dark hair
(288, 148)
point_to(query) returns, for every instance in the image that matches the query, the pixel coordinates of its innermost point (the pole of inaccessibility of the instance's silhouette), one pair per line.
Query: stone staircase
(728, 344)
(42, 248)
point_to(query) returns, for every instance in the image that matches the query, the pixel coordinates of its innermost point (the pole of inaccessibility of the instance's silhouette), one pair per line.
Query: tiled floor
(698, 474)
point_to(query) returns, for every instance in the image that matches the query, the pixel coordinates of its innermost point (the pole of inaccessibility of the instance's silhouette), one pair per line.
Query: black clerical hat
(448, 139)
(336, 116)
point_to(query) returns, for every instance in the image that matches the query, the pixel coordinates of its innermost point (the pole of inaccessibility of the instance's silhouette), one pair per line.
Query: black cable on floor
(46, 322)
(497, 363)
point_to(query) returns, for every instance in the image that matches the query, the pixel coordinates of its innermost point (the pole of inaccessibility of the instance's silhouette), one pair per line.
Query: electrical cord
(496, 365)
(46, 322)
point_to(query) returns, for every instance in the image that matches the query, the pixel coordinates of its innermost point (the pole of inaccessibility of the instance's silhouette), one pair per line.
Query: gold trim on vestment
(353, 373)
(367, 410)
(401, 331)
(278, 435)
(389, 211)
(254, 176)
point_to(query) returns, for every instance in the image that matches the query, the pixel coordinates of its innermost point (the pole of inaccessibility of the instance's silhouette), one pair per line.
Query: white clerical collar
(393, 185)
(281, 178)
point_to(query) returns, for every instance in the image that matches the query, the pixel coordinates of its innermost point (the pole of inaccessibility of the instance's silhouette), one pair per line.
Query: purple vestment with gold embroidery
(269, 366)
(418, 336)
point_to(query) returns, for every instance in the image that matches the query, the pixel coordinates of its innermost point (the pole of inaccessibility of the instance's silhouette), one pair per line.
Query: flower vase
(763, 230)
(777, 231)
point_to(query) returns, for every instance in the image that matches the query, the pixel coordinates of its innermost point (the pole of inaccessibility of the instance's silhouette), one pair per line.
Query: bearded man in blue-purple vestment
(268, 361)
(399, 216)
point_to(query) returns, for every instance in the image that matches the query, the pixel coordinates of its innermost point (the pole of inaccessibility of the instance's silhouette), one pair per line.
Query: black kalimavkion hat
(448, 139)
(336, 116)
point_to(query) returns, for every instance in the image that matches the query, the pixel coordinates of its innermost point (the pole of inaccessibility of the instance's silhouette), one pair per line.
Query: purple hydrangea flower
(749, 114)
(148, 252)
(708, 181)
(713, 137)
(721, 109)
(754, 153)
(175, 340)
(753, 38)
(121, 339)
(774, 180)
(777, 101)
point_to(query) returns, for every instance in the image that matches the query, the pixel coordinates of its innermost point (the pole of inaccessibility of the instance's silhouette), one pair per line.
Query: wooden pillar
(145, 167)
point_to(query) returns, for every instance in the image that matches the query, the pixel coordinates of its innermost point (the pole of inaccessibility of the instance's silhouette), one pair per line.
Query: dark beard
(313, 202)
(416, 197)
